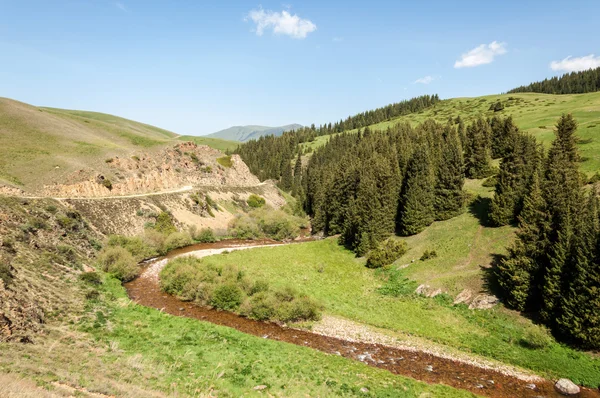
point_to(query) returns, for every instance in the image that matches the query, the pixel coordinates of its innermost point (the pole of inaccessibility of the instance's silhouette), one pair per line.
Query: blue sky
(195, 67)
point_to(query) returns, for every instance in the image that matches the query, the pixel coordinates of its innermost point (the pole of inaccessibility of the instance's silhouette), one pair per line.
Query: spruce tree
(514, 179)
(580, 310)
(286, 177)
(477, 151)
(416, 202)
(520, 273)
(297, 179)
(450, 177)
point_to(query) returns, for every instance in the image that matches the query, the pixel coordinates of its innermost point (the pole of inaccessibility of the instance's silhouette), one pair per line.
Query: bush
(118, 262)
(205, 235)
(256, 201)
(164, 223)
(229, 289)
(155, 240)
(261, 307)
(93, 278)
(6, 273)
(106, 183)
(300, 309)
(428, 254)
(138, 248)
(225, 161)
(536, 339)
(227, 297)
(177, 240)
(388, 251)
(245, 227)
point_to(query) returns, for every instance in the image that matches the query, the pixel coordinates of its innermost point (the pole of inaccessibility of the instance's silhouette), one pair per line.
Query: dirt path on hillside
(414, 363)
(139, 195)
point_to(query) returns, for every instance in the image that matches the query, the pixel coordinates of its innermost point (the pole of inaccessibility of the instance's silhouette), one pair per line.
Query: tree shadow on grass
(490, 278)
(480, 208)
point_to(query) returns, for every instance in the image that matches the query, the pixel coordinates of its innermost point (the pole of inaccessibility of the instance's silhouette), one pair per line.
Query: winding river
(145, 290)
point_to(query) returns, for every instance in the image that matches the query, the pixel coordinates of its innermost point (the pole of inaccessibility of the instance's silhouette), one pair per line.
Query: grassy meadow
(119, 348)
(532, 112)
(217, 143)
(334, 277)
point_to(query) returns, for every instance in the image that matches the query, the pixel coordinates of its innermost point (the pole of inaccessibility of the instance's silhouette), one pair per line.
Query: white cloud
(481, 55)
(121, 6)
(576, 64)
(425, 80)
(337, 39)
(282, 23)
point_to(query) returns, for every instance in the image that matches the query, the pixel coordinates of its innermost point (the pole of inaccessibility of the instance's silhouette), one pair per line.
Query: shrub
(164, 223)
(388, 251)
(256, 201)
(245, 227)
(119, 263)
(300, 309)
(211, 203)
(6, 273)
(93, 278)
(225, 161)
(227, 297)
(229, 289)
(138, 248)
(261, 306)
(155, 240)
(205, 235)
(536, 339)
(106, 183)
(51, 209)
(428, 254)
(177, 240)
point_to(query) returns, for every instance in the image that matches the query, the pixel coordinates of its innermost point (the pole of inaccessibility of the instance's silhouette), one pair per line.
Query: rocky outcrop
(483, 302)
(186, 164)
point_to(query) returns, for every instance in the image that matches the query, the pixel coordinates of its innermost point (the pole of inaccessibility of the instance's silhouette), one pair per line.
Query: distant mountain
(245, 133)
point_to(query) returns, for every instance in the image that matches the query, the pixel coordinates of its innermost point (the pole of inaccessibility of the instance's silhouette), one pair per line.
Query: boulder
(483, 302)
(463, 296)
(567, 387)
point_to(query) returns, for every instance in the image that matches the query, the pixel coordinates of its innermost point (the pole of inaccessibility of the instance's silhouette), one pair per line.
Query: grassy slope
(217, 143)
(534, 113)
(123, 349)
(465, 249)
(348, 289)
(39, 146)
(109, 345)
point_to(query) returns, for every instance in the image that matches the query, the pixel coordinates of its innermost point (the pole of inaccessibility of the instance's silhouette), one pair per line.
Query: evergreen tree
(297, 180)
(286, 177)
(450, 177)
(580, 310)
(477, 151)
(520, 273)
(416, 201)
(514, 178)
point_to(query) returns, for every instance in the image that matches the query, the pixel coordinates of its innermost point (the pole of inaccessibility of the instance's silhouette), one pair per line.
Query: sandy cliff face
(186, 164)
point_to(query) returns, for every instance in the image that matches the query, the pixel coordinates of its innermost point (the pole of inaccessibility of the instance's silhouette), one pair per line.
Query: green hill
(534, 113)
(217, 143)
(40, 146)
(245, 133)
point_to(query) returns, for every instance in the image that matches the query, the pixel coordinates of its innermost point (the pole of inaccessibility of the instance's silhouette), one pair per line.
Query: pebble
(364, 390)
(259, 388)
(429, 368)
(480, 386)
(531, 386)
